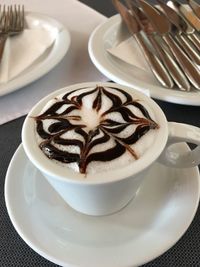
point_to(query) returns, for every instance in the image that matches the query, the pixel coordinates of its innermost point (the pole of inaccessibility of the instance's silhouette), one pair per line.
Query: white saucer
(111, 33)
(162, 211)
(48, 60)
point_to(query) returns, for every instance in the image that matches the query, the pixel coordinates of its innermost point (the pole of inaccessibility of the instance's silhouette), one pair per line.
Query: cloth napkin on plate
(130, 52)
(22, 50)
(75, 67)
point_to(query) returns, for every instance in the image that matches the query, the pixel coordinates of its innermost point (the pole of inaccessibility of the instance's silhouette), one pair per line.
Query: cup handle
(179, 132)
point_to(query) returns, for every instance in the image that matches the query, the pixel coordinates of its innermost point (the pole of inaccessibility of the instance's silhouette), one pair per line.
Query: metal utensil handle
(171, 65)
(189, 49)
(186, 64)
(2, 45)
(154, 63)
(194, 38)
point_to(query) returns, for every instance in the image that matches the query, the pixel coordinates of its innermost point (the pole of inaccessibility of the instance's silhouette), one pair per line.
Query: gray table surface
(14, 251)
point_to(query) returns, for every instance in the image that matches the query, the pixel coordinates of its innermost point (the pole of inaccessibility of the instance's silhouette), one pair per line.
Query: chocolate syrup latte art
(94, 129)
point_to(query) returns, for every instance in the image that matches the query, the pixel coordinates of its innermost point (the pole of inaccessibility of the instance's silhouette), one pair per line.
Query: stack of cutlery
(168, 35)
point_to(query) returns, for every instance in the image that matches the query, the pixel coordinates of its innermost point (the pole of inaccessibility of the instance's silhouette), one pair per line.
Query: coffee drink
(95, 143)
(95, 129)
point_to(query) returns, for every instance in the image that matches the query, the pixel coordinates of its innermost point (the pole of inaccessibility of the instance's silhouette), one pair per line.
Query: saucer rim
(44, 253)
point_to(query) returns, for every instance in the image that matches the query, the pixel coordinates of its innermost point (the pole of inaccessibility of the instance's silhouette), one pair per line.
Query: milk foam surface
(95, 129)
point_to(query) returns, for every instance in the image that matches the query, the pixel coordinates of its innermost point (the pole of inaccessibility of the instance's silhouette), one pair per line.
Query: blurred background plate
(48, 60)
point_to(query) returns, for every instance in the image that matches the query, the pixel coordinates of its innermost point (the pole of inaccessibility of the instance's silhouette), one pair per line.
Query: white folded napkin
(130, 52)
(22, 50)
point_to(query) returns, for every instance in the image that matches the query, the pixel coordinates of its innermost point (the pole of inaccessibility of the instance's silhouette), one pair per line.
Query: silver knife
(154, 62)
(181, 27)
(168, 60)
(162, 26)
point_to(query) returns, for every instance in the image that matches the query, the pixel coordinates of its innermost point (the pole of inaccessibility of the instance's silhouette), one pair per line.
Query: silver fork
(16, 19)
(11, 23)
(4, 27)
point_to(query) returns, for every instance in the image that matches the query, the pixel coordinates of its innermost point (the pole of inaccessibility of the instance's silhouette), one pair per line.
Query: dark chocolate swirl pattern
(65, 117)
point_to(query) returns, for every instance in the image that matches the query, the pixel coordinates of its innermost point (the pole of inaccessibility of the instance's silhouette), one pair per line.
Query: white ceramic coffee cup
(110, 191)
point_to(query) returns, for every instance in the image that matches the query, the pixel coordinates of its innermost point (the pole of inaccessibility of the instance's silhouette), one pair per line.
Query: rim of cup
(46, 166)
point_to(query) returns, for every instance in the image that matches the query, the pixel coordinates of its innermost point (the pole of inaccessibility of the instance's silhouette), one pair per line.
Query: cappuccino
(95, 143)
(95, 129)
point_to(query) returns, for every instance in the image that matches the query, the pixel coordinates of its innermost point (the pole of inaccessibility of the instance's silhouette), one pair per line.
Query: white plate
(68, 238)
(108, 35)
(47, 61)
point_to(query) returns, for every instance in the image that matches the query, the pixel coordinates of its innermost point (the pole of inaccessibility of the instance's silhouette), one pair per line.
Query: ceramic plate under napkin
(22, 50)
(33, 53)
(110, 36)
